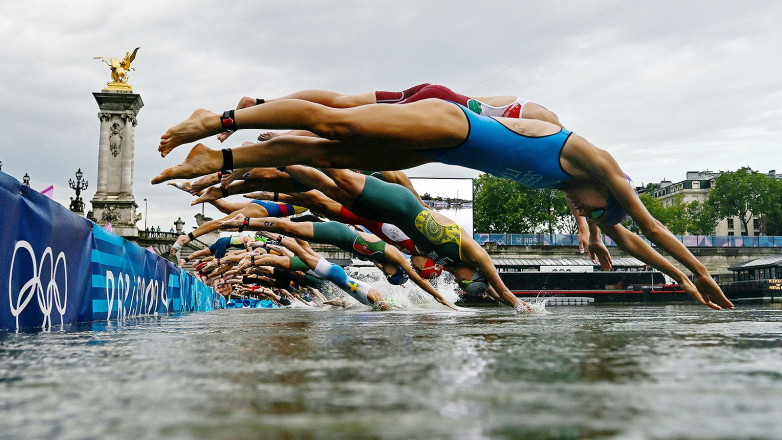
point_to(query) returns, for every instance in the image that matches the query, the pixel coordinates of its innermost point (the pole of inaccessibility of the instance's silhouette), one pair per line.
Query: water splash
(538, 305)
(408, 296)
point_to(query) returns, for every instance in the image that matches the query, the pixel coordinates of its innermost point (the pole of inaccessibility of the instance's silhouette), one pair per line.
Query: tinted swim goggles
(595, 214)
(476, 277)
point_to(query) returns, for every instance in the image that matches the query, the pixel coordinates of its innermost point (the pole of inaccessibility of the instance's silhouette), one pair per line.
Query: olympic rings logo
(35, 286)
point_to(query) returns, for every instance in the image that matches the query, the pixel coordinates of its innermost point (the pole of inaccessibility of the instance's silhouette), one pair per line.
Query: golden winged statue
(119, 70)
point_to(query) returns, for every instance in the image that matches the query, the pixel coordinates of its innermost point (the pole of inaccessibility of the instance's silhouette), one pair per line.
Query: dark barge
(579, 282)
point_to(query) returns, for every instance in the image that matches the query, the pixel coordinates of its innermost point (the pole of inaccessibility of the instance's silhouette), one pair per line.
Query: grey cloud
(665, 86)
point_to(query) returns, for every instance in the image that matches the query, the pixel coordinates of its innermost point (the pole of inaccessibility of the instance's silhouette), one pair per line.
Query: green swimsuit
(395, 204)
(342, 236)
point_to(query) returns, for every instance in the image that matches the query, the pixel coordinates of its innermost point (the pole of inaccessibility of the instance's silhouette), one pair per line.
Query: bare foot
(260, 195)
(245, 102)
(184, 186)
(235, 222)
(210, 195)
(266, 135)
(203, 183)
(199, 125)
(239, 174)
(180, 241)
(200, 161)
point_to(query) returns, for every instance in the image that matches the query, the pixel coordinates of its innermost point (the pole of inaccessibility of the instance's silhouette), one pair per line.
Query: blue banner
(60, 269)
(572, 240)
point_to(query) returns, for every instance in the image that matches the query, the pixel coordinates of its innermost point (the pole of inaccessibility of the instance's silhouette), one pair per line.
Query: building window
(744, 234)
(730, 233)
(730, 223)
(756, 223)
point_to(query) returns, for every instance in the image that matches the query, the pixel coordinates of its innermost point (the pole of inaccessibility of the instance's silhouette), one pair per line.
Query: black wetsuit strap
(228, 161)
(227, 121)
(245, 224)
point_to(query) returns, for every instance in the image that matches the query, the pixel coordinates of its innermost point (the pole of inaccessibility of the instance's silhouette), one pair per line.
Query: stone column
(113, 201)
(126, 181)
(103, 153)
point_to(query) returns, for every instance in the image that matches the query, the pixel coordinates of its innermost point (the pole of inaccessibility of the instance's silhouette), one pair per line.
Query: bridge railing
(155, 235)
(765, 241)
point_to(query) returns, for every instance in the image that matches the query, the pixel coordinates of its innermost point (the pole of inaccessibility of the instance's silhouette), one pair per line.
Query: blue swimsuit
(496, 149)
(275, 209)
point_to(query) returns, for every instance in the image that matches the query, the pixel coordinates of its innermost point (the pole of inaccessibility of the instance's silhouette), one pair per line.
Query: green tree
(655, 207)
(740, 194)
(505, 206)
(703, 218)
(681, 217)
(679, 221)
(551, 210)
(772, 209)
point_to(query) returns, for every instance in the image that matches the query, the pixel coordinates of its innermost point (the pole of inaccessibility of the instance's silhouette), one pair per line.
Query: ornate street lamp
(145, 213)
(77, 204)
(26, 180)
(1, 165)
(179, 225)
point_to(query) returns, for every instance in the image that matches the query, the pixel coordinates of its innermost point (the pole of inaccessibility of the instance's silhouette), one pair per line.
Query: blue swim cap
(400, 277)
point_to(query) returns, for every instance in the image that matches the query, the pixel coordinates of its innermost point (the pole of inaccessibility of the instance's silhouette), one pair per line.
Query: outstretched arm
(598, 251)
(590, 162)
(711, 296)
(583, 228)
(478, 258)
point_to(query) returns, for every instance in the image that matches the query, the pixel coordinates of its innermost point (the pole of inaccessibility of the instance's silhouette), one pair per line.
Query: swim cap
(400, 277)
(477, 286)
(431, 269)
(614, 212)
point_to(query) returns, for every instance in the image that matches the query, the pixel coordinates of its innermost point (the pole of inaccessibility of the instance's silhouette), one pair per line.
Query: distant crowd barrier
(61, 269)
(572, 240)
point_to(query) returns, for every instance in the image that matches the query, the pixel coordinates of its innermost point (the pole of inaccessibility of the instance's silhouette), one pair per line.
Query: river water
(663, 372)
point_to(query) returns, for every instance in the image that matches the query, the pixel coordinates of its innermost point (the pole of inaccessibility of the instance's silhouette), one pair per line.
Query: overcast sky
(665, 86)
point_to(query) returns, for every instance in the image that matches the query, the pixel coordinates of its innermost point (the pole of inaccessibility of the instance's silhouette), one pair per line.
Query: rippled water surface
(581, 372)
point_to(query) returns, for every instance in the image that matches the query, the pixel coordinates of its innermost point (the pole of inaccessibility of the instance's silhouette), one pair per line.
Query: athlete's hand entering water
(599, 254)
(712, 293)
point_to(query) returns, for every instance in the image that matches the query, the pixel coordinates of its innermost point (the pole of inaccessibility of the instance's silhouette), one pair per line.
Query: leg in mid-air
(430, 123)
